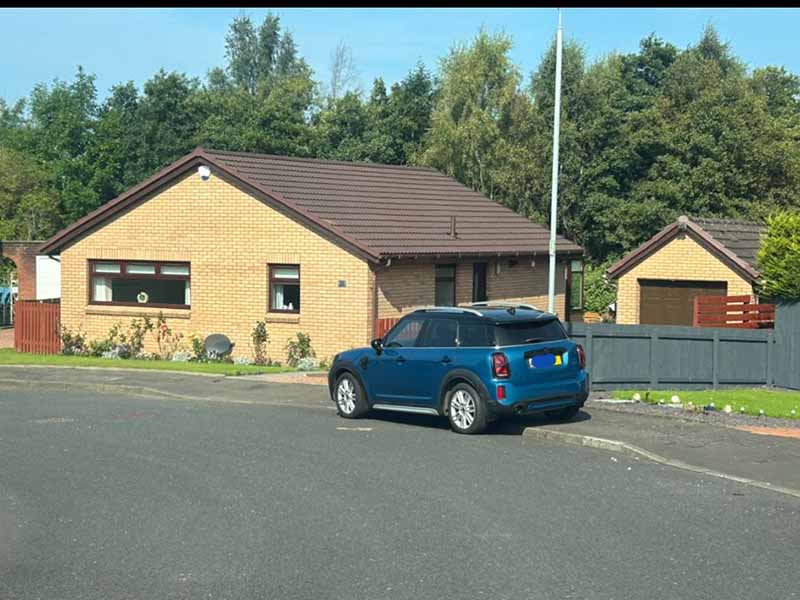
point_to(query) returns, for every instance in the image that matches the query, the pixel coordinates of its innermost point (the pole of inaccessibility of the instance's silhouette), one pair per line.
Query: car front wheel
(465, 409)
(351, 401)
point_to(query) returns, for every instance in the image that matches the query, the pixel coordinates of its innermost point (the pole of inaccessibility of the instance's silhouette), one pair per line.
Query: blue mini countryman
(471, 364)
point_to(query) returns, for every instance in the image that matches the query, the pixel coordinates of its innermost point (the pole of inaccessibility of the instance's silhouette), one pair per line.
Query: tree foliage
(645, 136)
(779, 257)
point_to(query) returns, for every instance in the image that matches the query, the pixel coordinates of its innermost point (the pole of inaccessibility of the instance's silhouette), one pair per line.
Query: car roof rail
(448, 309)
(492, 304)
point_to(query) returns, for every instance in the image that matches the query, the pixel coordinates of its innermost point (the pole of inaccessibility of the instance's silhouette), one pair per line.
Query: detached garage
(658, 282)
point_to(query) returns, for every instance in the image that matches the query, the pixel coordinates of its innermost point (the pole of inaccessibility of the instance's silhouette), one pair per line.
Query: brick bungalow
(658, 281)
(218, 240)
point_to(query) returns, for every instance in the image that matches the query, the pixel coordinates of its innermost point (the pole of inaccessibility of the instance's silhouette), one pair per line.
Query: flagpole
(551, 288)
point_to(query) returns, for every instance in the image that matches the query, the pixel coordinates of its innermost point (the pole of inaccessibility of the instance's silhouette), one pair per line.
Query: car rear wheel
(351, 401)
(465, 409)
(564, 414)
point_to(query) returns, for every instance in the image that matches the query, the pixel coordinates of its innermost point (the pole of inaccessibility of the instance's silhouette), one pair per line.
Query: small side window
(440, 333)
(474, 335)
(404, 334)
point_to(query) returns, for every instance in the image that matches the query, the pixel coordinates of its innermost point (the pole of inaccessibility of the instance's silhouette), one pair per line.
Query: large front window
(133, 283)
(284, 288)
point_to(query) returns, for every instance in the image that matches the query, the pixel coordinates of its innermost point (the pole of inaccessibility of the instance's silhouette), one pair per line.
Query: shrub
(198, 349)
(298, 349)
(260, 338)
(598, 293)
(73, 343)
(242, 360)
(779, 257)
(137, 330)
(167, 341)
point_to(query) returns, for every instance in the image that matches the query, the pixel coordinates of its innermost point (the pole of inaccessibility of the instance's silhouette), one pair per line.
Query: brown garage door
(671, 302)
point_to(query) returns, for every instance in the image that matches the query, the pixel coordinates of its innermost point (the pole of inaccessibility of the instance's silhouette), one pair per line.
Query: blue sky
(131, 44)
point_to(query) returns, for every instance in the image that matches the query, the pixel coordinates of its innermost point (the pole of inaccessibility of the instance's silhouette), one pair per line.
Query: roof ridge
(727, 220)
(324, 160)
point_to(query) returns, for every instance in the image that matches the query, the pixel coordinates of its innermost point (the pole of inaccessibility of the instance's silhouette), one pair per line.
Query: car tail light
(500, 366)
(501, 392)
(581, 357)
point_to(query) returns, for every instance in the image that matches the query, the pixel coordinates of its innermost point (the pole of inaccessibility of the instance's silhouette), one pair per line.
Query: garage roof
(734, 242)
(381, 211)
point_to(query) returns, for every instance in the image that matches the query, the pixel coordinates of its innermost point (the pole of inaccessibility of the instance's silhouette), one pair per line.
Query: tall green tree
(479, 107)
(29, 202)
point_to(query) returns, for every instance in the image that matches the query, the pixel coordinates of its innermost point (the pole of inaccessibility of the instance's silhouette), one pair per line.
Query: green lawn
(12, 357)
(774, 403)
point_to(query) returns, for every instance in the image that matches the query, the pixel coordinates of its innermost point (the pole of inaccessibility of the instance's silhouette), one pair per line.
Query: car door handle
(446, 359)
(401, 359)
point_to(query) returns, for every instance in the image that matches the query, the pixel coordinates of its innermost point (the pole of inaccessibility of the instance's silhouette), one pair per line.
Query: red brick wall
(24, 256)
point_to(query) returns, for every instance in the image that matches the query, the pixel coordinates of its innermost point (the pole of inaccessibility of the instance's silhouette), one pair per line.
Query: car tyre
(466, 410)
(564, 414)
(349, 396)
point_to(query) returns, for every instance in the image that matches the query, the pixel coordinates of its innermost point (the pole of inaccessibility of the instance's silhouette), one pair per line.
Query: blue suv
(471, 364)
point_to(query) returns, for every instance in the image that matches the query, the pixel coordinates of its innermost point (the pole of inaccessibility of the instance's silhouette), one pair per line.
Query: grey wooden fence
(669, 357)
(787, 346)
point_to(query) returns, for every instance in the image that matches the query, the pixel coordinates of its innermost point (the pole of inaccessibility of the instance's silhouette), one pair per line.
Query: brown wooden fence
(732, 311)
(36, 326)
(384, 325)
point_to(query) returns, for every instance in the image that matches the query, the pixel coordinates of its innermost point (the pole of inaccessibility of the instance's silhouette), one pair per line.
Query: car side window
(440, 333)
(405, 334)
(474, 335)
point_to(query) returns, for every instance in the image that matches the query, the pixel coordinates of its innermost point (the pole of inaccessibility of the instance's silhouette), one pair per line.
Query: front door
(479, 282)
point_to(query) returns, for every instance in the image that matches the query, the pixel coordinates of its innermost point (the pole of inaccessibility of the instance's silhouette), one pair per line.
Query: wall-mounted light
(497, 268)
(204, 172)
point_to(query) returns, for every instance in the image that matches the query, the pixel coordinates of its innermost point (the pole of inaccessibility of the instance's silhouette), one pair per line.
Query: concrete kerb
(588, 441)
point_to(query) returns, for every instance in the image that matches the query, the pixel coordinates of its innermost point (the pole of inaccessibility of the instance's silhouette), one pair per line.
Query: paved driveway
(116, 493)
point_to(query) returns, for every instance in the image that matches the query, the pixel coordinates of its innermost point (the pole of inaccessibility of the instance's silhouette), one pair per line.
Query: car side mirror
(377, 345)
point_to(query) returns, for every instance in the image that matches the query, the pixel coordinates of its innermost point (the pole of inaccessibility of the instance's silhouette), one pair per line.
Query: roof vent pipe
(453, 227)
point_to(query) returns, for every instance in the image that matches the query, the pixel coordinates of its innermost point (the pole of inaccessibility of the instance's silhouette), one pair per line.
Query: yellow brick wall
(402, 287)
(229, 238)
(681, 259)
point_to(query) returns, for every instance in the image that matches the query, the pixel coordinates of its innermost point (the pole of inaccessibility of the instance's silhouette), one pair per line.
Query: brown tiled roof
(395, 210)
(378, 211)
(734, 242)
(743, 238)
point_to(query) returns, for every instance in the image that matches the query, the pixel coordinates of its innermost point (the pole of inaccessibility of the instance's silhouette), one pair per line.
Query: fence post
(590, 355)
(653, 366)
(715, 359)
(771, 358)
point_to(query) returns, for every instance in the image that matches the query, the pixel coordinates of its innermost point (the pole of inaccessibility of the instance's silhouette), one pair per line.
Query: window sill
(138, 311)
(282, 317)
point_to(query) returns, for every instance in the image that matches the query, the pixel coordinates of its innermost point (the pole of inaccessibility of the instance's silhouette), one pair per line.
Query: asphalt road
(111, 495)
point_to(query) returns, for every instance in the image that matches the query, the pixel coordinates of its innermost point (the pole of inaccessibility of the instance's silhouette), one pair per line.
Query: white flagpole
(551, 289)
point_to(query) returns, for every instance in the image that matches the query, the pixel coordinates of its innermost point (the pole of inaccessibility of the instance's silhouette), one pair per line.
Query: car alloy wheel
(346, 395)
(462, 409)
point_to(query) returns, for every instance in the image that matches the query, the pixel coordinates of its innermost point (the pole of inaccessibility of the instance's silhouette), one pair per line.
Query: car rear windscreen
(532, 332)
